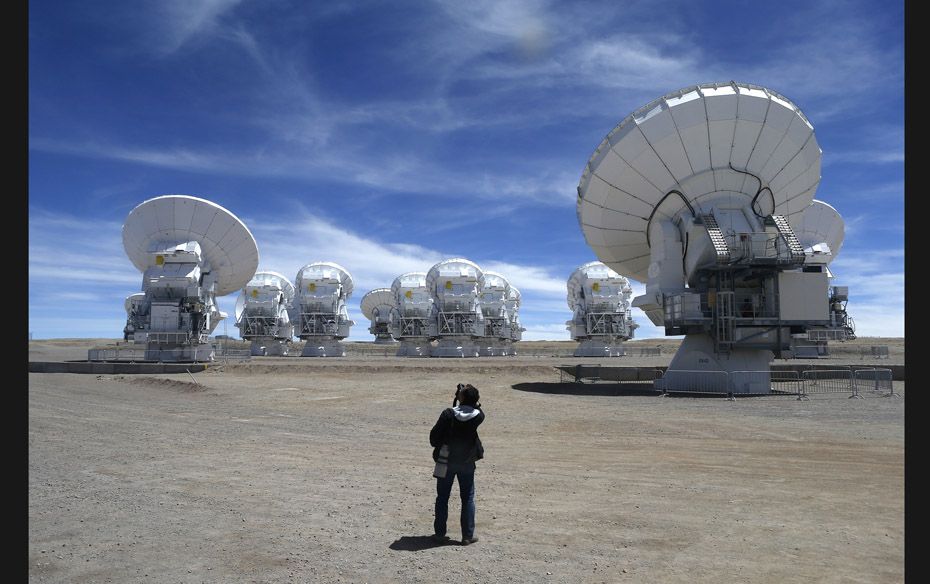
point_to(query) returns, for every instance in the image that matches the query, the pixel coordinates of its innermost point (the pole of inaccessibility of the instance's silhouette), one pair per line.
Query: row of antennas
(271, 310)
(455, 309)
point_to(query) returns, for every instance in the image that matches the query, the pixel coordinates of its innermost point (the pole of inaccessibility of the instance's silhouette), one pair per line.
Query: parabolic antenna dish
(375, 298)
(575, 282)
(705, 145)
(514, 296)
(495, 280)
(225, 242)
(453, 268)
(267, 278)
(317, 270)
(408, 280)
(136, 296)
(821, 223)
(277, 279)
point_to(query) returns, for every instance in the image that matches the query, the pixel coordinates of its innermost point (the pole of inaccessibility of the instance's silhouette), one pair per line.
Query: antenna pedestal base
(384, 340)
(697, 368)
(455, 347)
(509, 349)
(414, 348)
(599, 348)
(179, 353)
(323, 348)
(493, 349)
(270, 347)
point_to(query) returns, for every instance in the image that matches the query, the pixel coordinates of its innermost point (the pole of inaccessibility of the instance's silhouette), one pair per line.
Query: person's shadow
(415, 543)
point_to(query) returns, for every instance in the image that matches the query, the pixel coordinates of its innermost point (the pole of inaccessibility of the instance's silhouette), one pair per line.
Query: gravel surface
(319, 470)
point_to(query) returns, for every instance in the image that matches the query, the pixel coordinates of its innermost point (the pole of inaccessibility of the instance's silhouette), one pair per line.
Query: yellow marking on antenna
(159, 260)
(596, 286)
(311, 287)
(448, 284)
(254, 293)
(409, 293)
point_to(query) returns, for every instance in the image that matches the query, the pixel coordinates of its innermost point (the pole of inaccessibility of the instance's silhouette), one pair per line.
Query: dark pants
(466, 478)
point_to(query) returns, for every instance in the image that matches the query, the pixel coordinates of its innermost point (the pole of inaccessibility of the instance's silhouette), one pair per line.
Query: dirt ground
(319, 470)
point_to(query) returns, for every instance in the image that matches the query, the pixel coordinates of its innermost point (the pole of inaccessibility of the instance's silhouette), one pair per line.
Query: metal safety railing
(766, 382)
(874, 381)
(829, 381)
(694, 382)
(877, 381)
(874, 351)
(117, 354)
(650, 351)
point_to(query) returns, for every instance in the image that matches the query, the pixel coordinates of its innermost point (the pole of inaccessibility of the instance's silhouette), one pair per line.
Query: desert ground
(296, 469)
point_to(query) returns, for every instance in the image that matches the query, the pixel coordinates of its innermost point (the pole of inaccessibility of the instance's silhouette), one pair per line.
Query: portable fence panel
(787, 382)
(117, 354)
(765, 382)
(828, 381)
(694, 381)
(751, 382)
(873, 380)
(880, 351)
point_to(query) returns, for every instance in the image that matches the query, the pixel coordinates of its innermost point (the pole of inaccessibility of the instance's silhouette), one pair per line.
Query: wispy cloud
(179, 22)
(876, 290)
(65, 251)
(510, 48)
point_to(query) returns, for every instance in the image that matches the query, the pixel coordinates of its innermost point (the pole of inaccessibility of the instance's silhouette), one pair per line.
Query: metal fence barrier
(800, 384)
(650, 351)
(874, 351)
(873, 381)
(767, 382)
(695, 382)
(129, 354)
(877, 381)
(829, 381)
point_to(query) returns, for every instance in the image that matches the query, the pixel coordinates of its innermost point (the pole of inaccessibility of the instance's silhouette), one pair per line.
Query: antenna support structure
(189, 250)
(706, 195)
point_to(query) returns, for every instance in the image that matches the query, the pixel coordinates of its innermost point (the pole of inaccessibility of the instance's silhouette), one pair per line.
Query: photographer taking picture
(456, 447)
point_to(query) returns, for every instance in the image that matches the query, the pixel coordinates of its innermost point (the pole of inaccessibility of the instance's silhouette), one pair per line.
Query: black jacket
(458, 427)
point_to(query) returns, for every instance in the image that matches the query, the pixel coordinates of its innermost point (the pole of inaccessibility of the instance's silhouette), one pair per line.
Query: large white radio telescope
(412, 323)
(189, 251)
(513, 309)
(600, 301)
(493, 298)
(262, 313)
(821, 230)
(319, 309)
(378, 306)
(135, 318)
(454, 285)
(699, 194)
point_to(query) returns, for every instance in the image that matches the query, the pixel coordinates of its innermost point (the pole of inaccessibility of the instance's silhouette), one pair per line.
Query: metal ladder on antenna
(794, 246)
(716, 238)
(724, 309)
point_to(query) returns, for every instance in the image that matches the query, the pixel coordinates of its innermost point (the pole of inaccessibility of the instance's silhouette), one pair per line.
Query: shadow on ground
(416, 543)
(644, 388)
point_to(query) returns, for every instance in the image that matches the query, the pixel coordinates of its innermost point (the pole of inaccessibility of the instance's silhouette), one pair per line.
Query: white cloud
(184, 20)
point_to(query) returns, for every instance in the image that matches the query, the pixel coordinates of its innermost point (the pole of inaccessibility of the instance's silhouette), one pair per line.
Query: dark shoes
(445, 539)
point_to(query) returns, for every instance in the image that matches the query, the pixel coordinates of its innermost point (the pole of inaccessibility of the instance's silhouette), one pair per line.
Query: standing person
(455, 435)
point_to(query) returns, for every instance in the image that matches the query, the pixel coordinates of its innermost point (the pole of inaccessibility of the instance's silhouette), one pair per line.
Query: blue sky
(386, 136)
